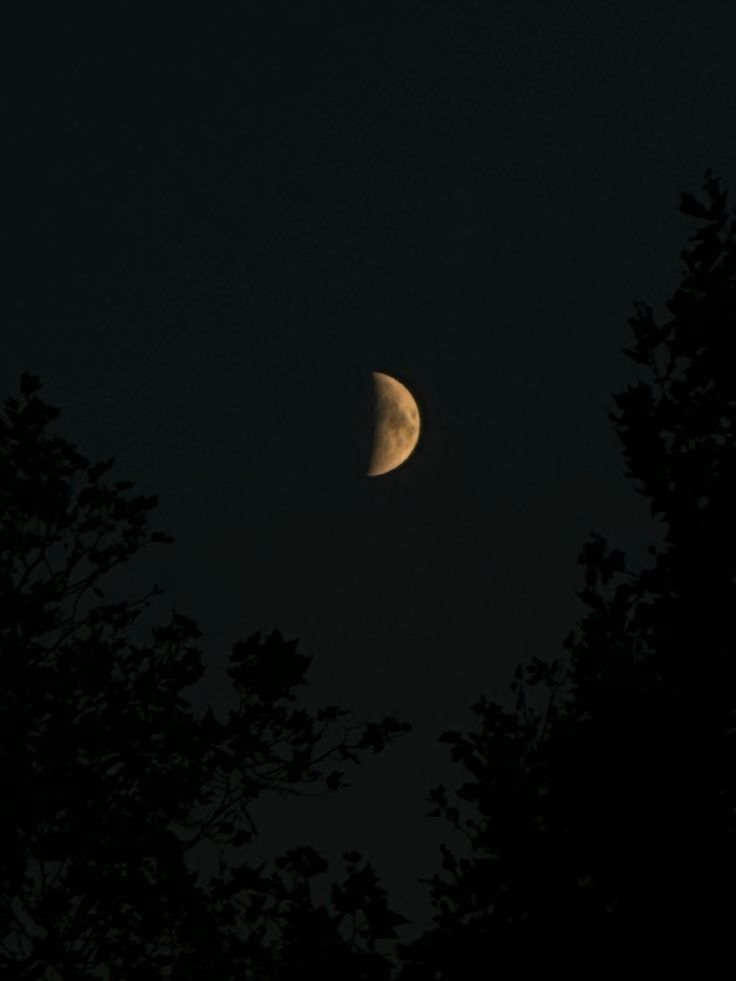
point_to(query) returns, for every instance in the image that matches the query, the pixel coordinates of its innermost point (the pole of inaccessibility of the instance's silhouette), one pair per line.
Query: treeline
(599, 808)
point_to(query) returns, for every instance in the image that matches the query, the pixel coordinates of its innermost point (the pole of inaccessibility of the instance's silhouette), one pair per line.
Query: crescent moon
(396, 424)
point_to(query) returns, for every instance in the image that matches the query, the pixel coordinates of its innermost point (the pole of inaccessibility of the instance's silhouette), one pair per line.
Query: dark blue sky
(220, 227)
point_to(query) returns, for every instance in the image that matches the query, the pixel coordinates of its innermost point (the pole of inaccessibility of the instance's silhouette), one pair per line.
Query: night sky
(220, 227)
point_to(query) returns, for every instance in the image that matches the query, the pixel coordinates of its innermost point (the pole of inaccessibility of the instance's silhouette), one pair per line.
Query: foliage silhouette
(599, 810)
(113, 788)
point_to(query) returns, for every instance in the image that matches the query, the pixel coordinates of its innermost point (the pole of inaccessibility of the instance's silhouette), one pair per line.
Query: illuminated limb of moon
(396, 424)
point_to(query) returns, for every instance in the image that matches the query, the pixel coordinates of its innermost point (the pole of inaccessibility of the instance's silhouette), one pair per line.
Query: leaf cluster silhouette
(599, 809)
(113, 787)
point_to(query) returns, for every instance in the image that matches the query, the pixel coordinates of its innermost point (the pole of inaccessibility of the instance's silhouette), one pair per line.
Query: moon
(396, 424)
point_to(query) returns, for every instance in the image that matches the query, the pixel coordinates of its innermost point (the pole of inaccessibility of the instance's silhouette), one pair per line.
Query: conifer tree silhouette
(599, 810)
(111, 786)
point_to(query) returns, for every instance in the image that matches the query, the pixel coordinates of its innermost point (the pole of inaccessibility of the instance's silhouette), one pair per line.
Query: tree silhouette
(114, 792)
(599, 810)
